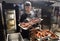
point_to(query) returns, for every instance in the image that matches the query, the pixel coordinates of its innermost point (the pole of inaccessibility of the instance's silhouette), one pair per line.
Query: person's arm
(23, 17)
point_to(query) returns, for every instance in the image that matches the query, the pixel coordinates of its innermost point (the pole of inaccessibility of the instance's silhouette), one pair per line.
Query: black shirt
(25, 33)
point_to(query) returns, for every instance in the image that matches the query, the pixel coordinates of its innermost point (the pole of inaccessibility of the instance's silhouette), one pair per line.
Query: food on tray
(43, 34)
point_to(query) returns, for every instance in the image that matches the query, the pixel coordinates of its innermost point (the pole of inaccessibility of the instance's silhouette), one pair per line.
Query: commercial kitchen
(29, 20)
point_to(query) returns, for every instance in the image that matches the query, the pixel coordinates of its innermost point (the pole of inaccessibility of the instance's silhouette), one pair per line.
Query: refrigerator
(10, 11)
